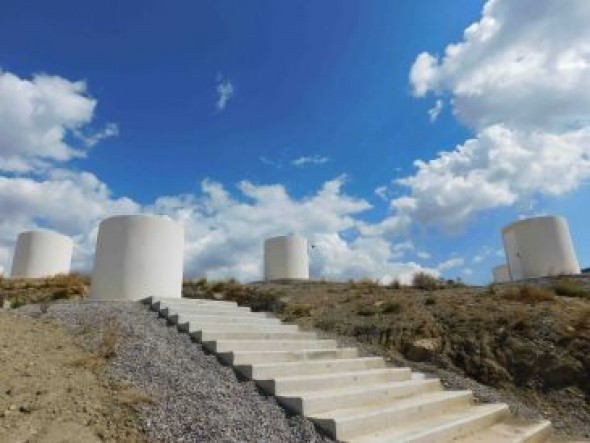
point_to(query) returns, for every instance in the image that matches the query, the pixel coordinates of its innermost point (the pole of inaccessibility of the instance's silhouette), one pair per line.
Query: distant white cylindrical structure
(501, 274)
(138, 256)
(41, 253)
(286, 257)
(539, 247)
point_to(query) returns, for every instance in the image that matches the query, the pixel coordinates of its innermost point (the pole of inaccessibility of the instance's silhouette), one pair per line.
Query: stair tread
(412, 430)
(509, 430)
(359, 412)
(358, 389)
(314, 362)
(340, 374)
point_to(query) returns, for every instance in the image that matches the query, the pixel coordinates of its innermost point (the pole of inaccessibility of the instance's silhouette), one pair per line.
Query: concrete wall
(286, 257)
(501, 274)
(41, 254)
(138, 256)
(539, 247)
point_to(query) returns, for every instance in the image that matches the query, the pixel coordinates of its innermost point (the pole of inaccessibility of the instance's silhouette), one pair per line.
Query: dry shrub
(111, 338)
(568, 287)
(134, 398)
(391, 307)
(581, 322)
(395, 284)
(426, 281)
(528, 294)
(298, 310)
(366, 311)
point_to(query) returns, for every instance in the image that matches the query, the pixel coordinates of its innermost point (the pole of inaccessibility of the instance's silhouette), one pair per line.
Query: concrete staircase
(351, 398)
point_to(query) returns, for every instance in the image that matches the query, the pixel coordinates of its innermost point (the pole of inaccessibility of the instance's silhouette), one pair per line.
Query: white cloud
(435, 111)
(69, 202)
(521, 78)
(225, 91)
(36, 117)
(310, 160)
(381, 192)
(450, 264)
(423, 255)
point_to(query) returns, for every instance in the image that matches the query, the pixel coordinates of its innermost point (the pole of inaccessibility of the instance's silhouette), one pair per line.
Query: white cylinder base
(138, 256)
(501, 274)
(286, 257)
(41, 254)
(539, 247)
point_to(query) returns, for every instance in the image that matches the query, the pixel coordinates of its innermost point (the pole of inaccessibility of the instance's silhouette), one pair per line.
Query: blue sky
(316, 93)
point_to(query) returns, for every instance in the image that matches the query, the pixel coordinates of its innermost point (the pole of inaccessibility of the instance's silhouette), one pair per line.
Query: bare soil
(51, 390)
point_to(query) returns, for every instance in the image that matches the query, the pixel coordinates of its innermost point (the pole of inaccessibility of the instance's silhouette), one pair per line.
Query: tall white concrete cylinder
(539, 247)
(138, 256)
(286, 257)
(501, 274)
(41, 254)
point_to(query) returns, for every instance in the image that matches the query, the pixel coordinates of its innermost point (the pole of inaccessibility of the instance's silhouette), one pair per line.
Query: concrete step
(219, 346)
(512, 430)
(263, 371)
(155, 303)
(286, 386)
(195, 328)
(183, 316)
(438, 428)
(311, 402)
(223, 319)
(237, 358)
(344, 424)
(207, 336)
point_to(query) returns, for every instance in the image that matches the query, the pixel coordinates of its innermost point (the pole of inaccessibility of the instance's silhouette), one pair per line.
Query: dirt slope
(53, 391)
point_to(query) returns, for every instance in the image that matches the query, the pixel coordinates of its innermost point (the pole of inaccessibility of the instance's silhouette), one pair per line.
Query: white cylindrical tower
(286, 257)
(138, 256)
(41, 254)
(501, 274)
(539, 247)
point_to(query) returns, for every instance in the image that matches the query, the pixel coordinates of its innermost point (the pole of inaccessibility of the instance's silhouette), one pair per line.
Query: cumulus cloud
(450, 264)
(224, 229)
(310, 160)
(36, 117)
(521, 79)
(225, 91)
(225, 233)
(69, 202)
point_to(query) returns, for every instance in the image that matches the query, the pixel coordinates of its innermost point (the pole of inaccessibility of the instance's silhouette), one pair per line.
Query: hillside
(523, 344)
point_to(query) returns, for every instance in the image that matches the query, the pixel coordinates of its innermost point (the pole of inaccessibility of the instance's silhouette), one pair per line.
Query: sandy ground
(53, 391)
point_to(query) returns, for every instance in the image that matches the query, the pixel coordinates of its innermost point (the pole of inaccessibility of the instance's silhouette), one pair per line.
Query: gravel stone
(196, 398)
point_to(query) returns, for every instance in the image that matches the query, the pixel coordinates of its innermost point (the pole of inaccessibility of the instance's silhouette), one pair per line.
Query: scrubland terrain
(524, 344)
(530, 343)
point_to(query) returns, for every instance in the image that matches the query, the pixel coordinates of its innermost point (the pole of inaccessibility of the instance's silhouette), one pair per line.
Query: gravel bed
(196, 398)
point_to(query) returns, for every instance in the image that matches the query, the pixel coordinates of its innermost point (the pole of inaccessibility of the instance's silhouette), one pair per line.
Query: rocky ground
(526, 345)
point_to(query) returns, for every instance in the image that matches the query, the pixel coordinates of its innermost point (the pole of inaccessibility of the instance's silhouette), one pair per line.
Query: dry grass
(111, 338)
(568, 287)
(528, 294)
(21, 291)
